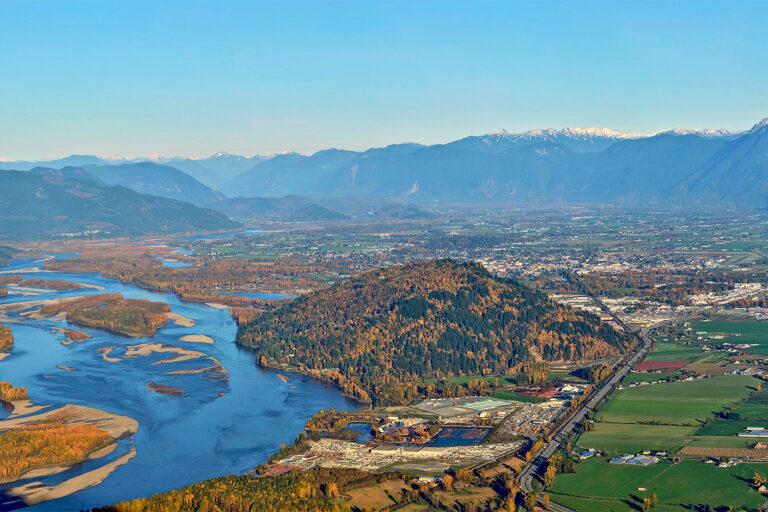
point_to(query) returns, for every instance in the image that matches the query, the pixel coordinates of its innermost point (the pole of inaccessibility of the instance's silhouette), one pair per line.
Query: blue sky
(192, 78)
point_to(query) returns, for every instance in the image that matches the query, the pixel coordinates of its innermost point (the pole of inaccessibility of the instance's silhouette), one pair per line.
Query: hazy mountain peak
(594, 132)
(708, 133)
(761, 126)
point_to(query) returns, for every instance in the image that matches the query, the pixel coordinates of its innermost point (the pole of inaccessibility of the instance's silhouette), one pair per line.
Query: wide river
(218, 427)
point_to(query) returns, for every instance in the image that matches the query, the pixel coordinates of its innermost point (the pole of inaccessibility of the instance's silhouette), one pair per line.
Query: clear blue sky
(192, 78)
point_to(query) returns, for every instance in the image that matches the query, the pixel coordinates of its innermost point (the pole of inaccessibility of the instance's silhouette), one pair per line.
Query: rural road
(621, 369)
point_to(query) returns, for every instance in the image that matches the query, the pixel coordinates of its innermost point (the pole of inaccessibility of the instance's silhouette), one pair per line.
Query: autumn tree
(549, 475)
(530, 501)
(448, 483)
(6, 338)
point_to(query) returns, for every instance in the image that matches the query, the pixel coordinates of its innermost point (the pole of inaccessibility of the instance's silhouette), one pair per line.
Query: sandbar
(28, 270)
(105, 354)
(93, 286)
(53, 470)
(162, 389)
(68, 368)
(37, 492)
(33, 291)
(145, 349)
(115, 425)
(217, 368)
(197, 338)
(180, 320)
(23, 407)
(216, 305)
(14, 307)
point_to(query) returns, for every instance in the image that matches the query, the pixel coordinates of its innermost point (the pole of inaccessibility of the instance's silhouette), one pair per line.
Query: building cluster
(637, 460)
(530, 420)
(332, 453)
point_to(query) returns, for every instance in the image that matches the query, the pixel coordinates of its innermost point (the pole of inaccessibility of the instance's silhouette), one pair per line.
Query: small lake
(218, 427)
(362, 431)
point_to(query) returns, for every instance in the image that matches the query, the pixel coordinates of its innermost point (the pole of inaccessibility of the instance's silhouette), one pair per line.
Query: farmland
(666, 350)
(598, 486)
(633, 438)
(666, 416)
(677, 403)
(737, 332)
(649, 377)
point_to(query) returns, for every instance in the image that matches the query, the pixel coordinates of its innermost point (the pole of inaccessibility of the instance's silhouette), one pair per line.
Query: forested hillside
(316, 490)
(42, 206)
(424, 320)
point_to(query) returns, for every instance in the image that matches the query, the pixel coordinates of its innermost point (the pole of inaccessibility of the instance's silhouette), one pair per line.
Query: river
(217, 427)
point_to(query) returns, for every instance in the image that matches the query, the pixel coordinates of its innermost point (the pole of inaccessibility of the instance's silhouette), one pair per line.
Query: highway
(621, 369)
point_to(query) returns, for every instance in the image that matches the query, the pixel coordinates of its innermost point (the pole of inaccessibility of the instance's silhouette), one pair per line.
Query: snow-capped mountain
(581, 140)
(706, 133)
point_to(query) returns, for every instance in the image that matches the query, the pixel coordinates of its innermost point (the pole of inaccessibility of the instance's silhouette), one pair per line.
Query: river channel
(220, 425)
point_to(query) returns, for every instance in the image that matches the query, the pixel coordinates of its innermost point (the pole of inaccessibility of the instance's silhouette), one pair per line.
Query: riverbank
(182, 439)
(113, 426)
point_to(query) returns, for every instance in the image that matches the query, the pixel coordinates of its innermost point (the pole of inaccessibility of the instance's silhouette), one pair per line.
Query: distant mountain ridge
(596, 166)
(550, 167)
(158, 180)
(48, 203)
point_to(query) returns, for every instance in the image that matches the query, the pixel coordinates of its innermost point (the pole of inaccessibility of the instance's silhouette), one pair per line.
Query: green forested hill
(36, 205)
(424, 320)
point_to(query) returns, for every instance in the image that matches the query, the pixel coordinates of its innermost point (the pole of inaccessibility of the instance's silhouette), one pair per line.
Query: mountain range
(44, 203)
(540, 167)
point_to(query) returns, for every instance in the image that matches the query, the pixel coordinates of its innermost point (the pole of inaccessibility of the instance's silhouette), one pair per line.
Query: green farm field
(677, 403)
(598, 486)
(747, 331)
(673, 351)
(647, 377)
(617, 438)
(754, 409)
(664, 416)
(511, 395)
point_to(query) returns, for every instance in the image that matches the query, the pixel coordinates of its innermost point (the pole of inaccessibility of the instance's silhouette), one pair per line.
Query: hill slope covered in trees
(34, 205)
(426, 320)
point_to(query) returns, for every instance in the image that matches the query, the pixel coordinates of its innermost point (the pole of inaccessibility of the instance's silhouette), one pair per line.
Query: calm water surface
(217, 427)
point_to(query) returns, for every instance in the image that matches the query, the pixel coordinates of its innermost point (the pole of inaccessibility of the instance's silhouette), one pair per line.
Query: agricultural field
(598, 486)
(677, 403)
(746, 331)
(616, 438)
(755, 408)
(648, 377)
(666, 416)
(669, 350)
(517, 397)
